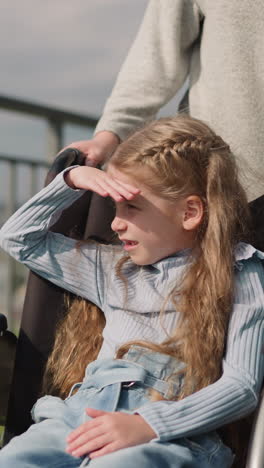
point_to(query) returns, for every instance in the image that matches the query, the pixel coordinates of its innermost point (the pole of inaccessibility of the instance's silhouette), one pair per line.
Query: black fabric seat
(8, 343)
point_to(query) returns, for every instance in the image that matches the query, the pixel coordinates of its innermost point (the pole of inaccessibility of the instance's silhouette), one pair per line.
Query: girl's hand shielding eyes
(108, 432)
(90, 178)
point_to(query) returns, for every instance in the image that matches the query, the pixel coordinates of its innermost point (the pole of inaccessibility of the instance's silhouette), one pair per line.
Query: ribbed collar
(180, 258)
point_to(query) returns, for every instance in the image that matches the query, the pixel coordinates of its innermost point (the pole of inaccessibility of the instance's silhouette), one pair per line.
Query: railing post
(33, 179)
(54, 138)
(10, 263)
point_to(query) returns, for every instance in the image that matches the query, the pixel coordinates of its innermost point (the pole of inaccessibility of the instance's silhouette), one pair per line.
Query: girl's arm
(55, 257)
(236, 393)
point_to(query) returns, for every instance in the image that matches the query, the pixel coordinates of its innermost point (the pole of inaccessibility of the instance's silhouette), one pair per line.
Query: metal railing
(12, 166)
(55, 119)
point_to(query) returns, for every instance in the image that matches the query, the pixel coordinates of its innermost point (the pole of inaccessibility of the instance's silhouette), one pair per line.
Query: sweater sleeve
(55, 257)
(236, 393)
(156, 65)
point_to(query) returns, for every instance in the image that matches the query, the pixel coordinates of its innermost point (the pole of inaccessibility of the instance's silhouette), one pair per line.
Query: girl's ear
(193, 213)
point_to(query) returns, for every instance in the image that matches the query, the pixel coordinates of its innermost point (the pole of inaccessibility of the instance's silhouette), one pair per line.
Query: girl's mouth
(129, 245)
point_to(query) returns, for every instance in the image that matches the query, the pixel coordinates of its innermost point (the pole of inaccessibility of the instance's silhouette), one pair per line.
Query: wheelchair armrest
(4, 333)
(8, 343)
(3, 323)
(255, 458)
(68, 157)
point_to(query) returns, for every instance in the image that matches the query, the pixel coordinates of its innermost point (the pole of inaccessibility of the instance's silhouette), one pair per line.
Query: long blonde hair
(184, 157)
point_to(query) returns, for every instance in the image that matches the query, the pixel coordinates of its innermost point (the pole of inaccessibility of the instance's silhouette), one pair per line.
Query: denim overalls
(113, 385)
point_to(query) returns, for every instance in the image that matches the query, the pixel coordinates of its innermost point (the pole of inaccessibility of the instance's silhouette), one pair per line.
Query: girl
(182, 348)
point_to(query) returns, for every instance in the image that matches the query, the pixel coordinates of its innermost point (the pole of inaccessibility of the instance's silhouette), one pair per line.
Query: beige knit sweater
(220, 45)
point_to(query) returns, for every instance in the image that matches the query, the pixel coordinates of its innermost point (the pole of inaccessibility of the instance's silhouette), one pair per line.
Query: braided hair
(183, 156)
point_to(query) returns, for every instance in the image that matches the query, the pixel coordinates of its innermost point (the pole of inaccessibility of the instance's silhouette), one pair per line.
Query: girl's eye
(131, 207)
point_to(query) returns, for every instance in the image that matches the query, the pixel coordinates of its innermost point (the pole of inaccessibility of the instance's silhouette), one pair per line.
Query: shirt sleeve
(236, 393)
(55, 257)
(156, 65)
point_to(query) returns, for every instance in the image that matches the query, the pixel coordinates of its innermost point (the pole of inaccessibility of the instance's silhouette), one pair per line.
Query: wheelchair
(89, 217)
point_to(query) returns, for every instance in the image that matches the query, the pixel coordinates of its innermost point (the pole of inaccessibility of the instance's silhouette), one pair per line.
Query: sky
(63, 52)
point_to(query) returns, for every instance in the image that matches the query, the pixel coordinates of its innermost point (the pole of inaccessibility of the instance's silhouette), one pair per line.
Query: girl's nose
(118, 224)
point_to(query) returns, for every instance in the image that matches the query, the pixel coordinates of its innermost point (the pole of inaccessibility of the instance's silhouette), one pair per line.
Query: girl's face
(150, 227)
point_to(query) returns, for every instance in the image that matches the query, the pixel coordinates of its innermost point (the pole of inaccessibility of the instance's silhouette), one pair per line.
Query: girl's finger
(129, 187)
(93, 445)
(83, 428)
(123, 185)
(95, 413)
(85, 438)
(123, 191)
(98, 188)
(107, 448)
(112, 192)
(118, 184)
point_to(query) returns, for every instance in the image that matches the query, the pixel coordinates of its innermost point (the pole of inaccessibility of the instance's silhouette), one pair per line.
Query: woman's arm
(155, 67)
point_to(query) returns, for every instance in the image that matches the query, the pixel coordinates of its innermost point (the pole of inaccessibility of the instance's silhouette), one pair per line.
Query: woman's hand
(90, 178)
(98, 149)
(108, 432)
